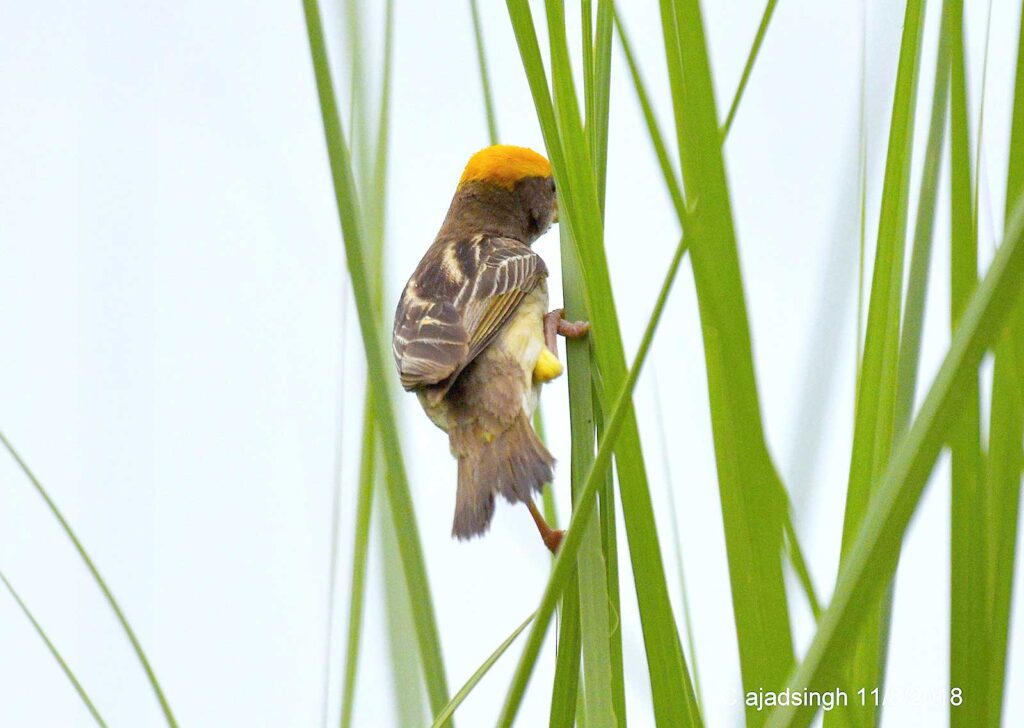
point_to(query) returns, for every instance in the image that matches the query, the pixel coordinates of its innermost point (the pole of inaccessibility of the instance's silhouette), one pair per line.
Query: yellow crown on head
(504, 165)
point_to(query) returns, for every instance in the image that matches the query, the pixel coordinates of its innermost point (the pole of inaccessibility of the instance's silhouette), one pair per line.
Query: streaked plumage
(469, 331)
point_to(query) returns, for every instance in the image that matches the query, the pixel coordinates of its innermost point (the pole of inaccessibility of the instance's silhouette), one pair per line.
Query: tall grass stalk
(871, 560)
(754, 507)
(399, 499)
(165, 706)
(874, 424)
(1005, 459)
(968, 623)
(65, 668)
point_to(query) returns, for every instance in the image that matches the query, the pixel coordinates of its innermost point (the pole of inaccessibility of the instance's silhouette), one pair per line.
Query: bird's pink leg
(552, 538)
(554, 324)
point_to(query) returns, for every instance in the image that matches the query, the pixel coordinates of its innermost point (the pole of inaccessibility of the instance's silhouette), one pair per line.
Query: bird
(474, 339)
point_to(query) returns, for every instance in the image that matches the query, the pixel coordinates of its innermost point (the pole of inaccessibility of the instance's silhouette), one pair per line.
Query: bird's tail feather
(514, 464)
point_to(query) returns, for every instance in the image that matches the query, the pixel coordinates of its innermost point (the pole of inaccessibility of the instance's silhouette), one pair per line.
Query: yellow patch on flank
(488, 437)
(547, 367)
(504, 165)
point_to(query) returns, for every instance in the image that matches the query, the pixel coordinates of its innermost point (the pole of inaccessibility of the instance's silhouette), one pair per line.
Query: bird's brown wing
(461, 294)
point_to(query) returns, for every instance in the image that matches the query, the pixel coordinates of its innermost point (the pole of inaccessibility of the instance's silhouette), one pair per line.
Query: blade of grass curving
(114, 605)
(754, 506)
(871, 559)
(56, 653)
(874, 426)
(580, 211)
(347, 199)
(675, 192)
(562, 572)
(360, 549)
(485, 79)
(968, 623)
(445, 715)
(862, 238)
(762, 29)
(668, 171)
(1005, 461)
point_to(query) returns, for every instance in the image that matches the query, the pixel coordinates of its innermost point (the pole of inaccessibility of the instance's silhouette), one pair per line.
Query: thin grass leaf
(976, 184)
(561, 574)
(56, 653)
(400, 501)
(603, 677)
(753, 503)
(409, 699)
(485, 78)
(580, 211)
(871, 560)
(675, 191)
(1005, 461)
(565, 687)
(874, 426)
(374, 179)
(121, 618)
(968, 623)
(924, 232)
(762, 30)
(862, 133)
(360, 549)
(445, 715)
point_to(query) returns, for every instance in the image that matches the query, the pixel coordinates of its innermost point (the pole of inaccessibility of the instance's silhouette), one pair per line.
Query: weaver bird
(473, 337)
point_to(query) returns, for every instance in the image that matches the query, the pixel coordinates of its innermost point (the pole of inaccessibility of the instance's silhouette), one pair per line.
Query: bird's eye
(552, 185)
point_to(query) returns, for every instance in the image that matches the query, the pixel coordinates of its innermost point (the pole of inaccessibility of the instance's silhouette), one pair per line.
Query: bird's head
(505, 190)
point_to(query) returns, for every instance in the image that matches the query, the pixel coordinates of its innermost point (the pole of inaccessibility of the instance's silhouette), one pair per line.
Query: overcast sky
(171, 287)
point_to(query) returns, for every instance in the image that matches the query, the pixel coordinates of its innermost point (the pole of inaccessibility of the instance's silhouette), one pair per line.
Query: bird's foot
(553, 539)
(555, 324)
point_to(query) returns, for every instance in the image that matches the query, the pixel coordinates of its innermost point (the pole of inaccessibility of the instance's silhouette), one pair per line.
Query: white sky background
(170, 287)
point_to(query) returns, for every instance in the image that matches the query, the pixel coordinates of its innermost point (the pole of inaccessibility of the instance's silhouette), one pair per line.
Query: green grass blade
(668, 171)
(485, 78)
(409, 699)
(565, 687)
(1005, 461)
(445, 715)
(968, 623)
(610, 546)
(762, 29)
(56, 653)
(871, 560)
(360, 549)
(562, 572)
(976, 184)
(129, 632)
(753, 503)
(603, 679)
(675, 191)
(400, 501)
(580, 211)
(924, 231)
(874, 426)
